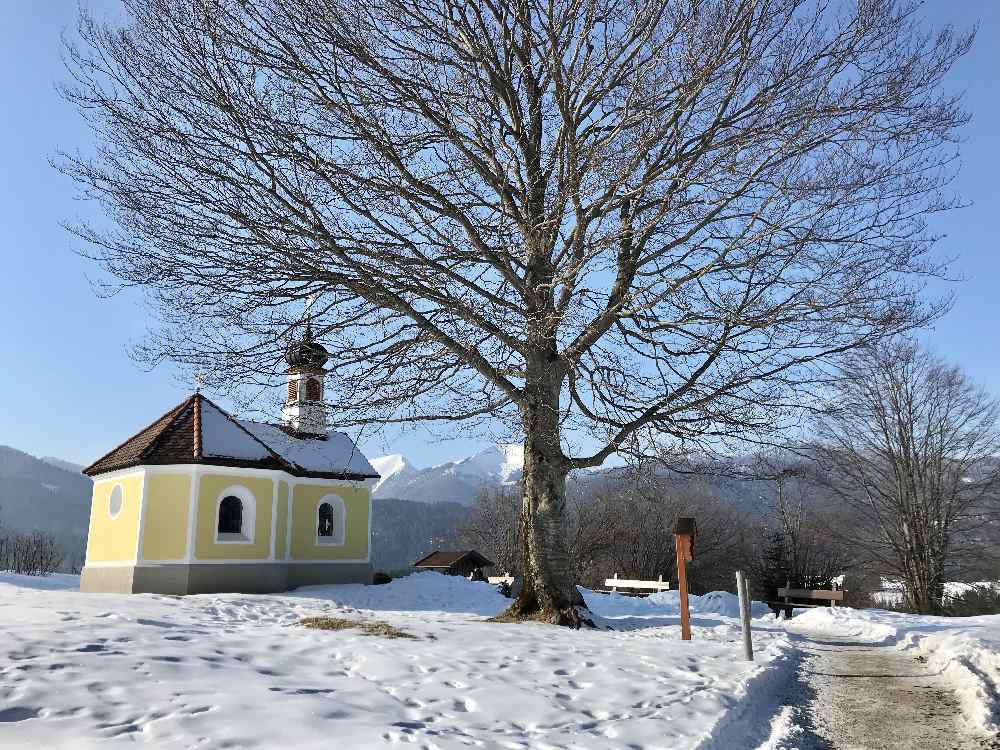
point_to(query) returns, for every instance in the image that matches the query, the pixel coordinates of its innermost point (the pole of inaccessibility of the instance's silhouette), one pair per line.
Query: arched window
(330, 520)
(325, 520)
(231, 515)
(235, 515)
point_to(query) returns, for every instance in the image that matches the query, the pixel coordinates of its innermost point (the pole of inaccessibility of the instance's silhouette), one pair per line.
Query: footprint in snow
(18, 713)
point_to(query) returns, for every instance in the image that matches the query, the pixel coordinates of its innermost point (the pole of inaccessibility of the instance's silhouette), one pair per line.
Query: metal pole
(743, 589)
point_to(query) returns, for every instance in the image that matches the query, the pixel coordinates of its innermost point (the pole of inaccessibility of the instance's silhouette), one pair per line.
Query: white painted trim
(90, 524)
(261, 561)
(192, 525)
(248, 515)
(319, 541)
(243, 471)
(368, 556)
(274, 516)
(141, 522)
(288, 520)
(112, 475)
(258, 561)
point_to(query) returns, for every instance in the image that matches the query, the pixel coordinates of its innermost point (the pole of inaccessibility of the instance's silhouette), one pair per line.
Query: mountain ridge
(458, 481)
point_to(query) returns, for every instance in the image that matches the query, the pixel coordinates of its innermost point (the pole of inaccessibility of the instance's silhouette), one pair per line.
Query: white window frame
(111, 494)
(248, 518)
(331, 541)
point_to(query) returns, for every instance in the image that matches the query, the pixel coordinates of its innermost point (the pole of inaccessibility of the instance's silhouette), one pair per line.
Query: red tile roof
(440, 559)
(178, 438)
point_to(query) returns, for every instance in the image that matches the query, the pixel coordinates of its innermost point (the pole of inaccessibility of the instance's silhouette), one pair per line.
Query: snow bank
(54, 582)
(841, 622)
(891, 592)
(429, 592)
(425, 591)
(965, 649)
(971, 661)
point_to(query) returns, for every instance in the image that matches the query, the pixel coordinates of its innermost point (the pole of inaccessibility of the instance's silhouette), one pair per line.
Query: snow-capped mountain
(500, 463)
(457, 481)
(60, 464)
(393, 468)
(462, 481)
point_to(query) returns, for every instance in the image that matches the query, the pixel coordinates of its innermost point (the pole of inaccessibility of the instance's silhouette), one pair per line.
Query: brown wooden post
(684, 533)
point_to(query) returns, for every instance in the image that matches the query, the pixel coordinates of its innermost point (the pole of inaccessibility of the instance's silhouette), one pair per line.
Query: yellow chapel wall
(165, 517)
(305, 505)
(115, 539)
(210, 491)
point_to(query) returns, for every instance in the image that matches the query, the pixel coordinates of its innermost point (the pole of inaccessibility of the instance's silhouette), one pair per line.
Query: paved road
(853, 695)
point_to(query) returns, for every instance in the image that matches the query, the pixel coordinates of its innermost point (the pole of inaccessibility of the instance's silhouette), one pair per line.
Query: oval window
(115, 501)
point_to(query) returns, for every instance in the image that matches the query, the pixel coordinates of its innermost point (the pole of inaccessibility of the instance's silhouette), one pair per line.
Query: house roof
(445, 559)
(196, 431)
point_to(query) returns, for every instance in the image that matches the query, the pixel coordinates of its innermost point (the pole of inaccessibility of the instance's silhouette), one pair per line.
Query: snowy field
(234, 671)
(891, 592)
(966, 650)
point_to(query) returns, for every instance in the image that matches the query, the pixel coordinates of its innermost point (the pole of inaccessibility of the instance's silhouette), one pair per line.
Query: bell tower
(304, 410)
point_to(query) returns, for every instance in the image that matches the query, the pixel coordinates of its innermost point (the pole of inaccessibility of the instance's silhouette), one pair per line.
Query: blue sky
(67, 386)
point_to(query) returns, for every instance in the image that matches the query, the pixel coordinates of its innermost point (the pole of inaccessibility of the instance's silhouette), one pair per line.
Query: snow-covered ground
(965, 649)
(234, 671)
(891, 592)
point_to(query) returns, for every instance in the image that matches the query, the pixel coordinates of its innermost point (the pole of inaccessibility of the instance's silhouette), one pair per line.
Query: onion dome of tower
(306, 353)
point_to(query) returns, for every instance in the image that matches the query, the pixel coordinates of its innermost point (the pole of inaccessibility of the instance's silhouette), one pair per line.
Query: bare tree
(604, 225)
(644, 535)
(912, 445)
(32, 554)
(493, 527)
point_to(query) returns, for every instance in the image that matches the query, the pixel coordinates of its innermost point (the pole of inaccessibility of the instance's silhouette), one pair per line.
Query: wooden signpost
(685, 531)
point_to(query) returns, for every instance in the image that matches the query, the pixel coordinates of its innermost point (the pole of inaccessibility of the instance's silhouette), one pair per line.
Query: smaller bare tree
(911, 444)
(32, 554)
(630, 530)
(493, 527)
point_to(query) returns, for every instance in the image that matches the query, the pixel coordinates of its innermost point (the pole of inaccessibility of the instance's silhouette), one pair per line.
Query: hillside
(36, 494)
(403, 531)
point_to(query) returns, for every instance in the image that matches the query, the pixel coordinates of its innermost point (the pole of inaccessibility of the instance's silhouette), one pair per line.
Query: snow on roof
(221, 437)
(336, 455)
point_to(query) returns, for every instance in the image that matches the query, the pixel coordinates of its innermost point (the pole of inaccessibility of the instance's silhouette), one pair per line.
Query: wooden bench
(810, 595)
(639, 588)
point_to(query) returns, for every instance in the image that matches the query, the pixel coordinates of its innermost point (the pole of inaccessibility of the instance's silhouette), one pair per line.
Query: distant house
(460, 563)
(202, 502)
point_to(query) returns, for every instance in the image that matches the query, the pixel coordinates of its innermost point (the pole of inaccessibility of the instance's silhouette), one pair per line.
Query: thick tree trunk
(548, 593)
(925, 588)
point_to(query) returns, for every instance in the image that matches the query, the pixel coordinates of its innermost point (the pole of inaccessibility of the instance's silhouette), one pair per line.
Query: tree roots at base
(525, 608)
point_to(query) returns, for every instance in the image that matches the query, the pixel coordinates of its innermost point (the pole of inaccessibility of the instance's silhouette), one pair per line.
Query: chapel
(203, 502)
